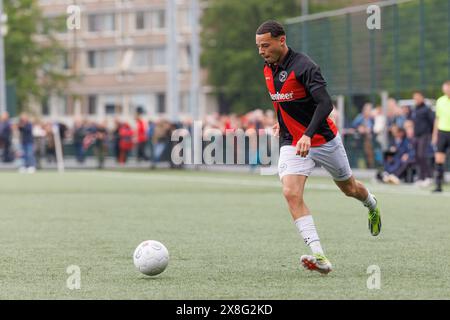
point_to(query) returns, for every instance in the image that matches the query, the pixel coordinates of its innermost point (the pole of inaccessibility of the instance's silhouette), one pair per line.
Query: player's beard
(270, 59)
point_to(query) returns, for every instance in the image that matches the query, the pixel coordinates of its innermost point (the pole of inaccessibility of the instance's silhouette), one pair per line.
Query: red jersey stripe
(296, 130)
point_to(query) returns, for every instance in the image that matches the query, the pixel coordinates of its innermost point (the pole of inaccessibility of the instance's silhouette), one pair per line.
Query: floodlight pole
(384, 106)
(172, 61)
(305, 7)
(2, 60)
(195, 63)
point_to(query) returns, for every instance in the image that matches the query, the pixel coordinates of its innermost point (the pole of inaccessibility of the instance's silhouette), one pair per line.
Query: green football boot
(317, 262)
(375, 220)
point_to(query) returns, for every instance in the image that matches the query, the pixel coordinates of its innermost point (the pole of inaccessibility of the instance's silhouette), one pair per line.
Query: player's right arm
(276, 130)
(311, 78)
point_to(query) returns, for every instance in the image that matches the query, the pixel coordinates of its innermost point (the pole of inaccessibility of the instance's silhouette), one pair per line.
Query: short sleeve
(310, 75)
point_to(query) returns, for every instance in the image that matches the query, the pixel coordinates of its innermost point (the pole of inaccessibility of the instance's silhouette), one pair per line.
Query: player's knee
(292, 195)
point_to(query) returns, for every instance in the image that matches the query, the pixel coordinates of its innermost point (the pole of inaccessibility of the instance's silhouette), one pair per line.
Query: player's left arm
(323, 110)
(314, 82)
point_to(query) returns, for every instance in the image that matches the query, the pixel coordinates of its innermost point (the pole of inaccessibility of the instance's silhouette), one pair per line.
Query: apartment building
(119, 57)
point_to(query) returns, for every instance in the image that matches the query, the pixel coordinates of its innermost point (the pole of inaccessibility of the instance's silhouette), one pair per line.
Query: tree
(30, 65)
(229, 51)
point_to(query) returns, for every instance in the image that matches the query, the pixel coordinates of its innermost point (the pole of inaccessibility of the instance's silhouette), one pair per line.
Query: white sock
(370, 202)
(307, 229)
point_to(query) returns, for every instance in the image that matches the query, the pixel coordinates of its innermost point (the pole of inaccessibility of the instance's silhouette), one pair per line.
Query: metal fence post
(349, 57)
(422, 62)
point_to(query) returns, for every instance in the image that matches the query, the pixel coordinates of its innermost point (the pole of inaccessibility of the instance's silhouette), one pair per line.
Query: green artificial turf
(229, 236)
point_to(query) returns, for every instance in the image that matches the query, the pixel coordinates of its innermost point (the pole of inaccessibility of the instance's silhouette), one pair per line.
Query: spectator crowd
(397, 142)
(32, 141)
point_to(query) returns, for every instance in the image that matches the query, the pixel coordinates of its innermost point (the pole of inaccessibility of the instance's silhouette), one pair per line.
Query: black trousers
(422, 144)
(141, 151)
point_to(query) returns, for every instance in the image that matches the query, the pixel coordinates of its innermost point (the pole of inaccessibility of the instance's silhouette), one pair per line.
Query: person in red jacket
(141, 135)
(126, 141)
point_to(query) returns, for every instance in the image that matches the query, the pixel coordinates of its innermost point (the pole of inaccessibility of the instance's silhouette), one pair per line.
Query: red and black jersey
(290, 85)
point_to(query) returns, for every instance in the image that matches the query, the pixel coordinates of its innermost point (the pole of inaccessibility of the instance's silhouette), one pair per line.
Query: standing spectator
(406, 112)
(363, 123)
(26, 139)
(6, 137)
(126, 141)
(394, 119)
(441, 134)
(90, 136)
(101, 145)
(116, 139)
(162, 140)
(62, 128)
(380, 139)
(150, 133)
(141, 135)
(79, 133)
(39, 142)
(50, 149)
(423, 118)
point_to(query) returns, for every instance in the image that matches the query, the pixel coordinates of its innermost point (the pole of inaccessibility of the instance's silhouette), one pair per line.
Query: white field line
(399, 190)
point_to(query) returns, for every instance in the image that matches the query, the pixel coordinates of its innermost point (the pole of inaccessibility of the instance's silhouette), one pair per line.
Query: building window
(62, 106)
(161, 102)
(141, 58)
(65, 61)
(147, 57)
(141, 21)
(184, 58)
(184, 18)
(159, 56)
(111, 104)
(62, 63)
(109, 58)
(92, 104)
(158, 18)
(101, 22)
(101, 59)
(50, 25)
(93, 23)
(141, 101)
(109, 22)
(110, 108)
(92, 59)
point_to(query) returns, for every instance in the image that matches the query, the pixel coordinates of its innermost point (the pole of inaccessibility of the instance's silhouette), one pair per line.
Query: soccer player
(441, 134)
(307, 136)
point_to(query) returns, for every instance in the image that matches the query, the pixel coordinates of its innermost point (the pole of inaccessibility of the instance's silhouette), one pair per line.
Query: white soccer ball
(151, 257)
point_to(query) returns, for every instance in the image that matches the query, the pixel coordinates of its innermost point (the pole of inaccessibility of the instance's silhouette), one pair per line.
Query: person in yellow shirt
(441, 134)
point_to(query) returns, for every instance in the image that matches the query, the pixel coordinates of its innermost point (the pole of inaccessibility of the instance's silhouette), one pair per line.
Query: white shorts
(331, 156)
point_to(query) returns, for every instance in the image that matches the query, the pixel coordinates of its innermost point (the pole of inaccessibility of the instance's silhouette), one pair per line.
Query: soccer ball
(151, 257)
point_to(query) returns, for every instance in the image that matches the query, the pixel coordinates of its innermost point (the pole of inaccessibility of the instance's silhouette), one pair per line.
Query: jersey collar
(286, 60)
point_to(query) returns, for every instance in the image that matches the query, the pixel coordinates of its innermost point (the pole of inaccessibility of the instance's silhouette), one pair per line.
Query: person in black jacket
(26, 138)
(79, 133)
(423, 118)
(6, 137)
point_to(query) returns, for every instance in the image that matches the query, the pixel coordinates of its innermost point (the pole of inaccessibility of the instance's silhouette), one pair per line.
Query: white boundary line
(398, 190)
